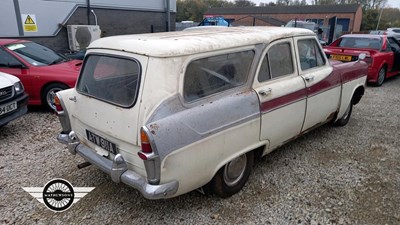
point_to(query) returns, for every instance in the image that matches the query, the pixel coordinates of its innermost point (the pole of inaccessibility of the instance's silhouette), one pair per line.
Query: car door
(323, 87)
(281, 92)
(394, 46)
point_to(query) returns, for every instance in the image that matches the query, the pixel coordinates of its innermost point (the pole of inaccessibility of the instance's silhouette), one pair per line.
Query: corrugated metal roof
(307, 9)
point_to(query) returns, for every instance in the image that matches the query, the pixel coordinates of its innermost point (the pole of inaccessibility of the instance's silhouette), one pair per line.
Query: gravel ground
(332, 175)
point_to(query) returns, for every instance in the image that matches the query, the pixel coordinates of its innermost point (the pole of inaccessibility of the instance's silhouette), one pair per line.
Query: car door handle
(265, 92)
(309, 78)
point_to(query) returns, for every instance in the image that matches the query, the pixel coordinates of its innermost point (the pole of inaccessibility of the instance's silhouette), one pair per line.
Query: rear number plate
(341, 57)
(8, 108)
(102, 142)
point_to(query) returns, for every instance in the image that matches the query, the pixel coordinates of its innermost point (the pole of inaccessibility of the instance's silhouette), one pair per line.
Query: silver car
(394, 31)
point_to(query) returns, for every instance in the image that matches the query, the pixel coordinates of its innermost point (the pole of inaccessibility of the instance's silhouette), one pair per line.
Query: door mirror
(16, 65)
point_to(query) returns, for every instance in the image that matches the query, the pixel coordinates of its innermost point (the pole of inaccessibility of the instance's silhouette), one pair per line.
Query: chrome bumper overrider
(118, 170)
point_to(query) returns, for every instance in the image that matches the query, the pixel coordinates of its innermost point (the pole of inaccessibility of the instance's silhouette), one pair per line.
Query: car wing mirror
(16, 65)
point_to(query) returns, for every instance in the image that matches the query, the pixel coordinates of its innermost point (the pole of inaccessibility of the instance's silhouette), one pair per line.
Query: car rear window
(361, 42)
(111, 79)
(215, 74)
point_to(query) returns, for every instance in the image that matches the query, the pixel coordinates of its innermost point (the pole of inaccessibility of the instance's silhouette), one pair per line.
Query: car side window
(264, 74)
(280, 60)
(310, 54)
(207, 76)
(6, 59)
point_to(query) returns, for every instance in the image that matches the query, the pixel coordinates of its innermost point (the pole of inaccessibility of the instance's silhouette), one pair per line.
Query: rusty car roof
(179, 43)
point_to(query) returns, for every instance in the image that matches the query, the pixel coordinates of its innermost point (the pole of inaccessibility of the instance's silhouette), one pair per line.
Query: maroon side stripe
(331, 81)
(283, 100)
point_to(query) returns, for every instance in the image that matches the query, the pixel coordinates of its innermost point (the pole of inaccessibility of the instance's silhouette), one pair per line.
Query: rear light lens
(57, 103)
(368, 60)
(146, 146)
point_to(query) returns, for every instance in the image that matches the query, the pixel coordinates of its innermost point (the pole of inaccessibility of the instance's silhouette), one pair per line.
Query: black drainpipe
(19, 21)
(168, 22)
(88, 11)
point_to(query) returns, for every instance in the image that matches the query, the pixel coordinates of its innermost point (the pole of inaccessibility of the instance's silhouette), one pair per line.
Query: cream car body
(201, 104)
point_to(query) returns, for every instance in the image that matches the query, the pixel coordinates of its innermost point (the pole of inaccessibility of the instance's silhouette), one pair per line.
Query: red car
(383, 54)
(41, 70)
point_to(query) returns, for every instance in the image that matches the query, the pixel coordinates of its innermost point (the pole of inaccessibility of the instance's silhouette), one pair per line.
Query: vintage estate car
(168, 113)
(42, 71)
(383, 54)
(13, 99)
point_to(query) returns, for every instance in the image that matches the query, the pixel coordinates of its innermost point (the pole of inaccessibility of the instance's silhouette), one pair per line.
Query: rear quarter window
(214, 74)
(111, 79)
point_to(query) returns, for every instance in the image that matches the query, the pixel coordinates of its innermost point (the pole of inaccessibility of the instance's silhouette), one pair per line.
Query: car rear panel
(347, 54)
(103, 113)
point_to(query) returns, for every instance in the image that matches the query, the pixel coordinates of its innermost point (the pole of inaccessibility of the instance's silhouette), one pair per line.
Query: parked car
(76, 55)
(13, 99)
(168, 113)
(377, 32)
(394, 31)
(42, 71)
(382, 51)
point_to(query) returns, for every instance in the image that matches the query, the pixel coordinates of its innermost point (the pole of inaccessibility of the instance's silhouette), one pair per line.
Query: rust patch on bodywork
(153, 128)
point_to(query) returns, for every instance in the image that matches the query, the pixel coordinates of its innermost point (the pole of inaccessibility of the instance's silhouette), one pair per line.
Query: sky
(390, 3)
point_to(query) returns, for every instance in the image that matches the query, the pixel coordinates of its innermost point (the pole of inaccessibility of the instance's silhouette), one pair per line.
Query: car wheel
(49, 93)
(346, 116)
(381, 76)
(231, 178)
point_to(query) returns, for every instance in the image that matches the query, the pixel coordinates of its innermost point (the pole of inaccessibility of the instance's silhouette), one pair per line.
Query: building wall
(357, 20)
(247, 21)
(111, 23)
(354, 26)
(115, 17)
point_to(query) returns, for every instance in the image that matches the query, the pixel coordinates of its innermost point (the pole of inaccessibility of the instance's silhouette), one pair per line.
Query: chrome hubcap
(50, 97)
(234, 170)
(381, 76)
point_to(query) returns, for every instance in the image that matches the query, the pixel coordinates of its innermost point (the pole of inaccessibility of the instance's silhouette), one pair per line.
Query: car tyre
(381, 77)
(231, 178)
(49, 93)
(346, 116)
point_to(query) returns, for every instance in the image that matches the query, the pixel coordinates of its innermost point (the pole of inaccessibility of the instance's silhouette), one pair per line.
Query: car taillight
(368, 60)
(57, 103)
(146, 146)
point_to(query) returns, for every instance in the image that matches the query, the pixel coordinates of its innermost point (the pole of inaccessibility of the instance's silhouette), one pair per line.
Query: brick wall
(354, 25)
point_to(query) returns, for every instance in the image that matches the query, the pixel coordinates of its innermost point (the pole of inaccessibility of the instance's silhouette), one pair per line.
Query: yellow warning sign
(29, 23)
(29, 20)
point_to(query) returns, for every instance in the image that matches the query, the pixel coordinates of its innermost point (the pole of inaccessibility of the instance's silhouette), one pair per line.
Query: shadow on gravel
(38, 108)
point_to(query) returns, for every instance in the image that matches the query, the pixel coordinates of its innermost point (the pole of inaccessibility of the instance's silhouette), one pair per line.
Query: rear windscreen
(361, 42)
(111, 79)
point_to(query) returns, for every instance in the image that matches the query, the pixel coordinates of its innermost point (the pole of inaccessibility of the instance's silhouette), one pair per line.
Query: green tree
(370, 19)
(244, 3)
(195, 9)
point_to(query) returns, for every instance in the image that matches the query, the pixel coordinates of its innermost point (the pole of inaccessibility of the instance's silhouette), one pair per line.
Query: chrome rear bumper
(118, 170)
